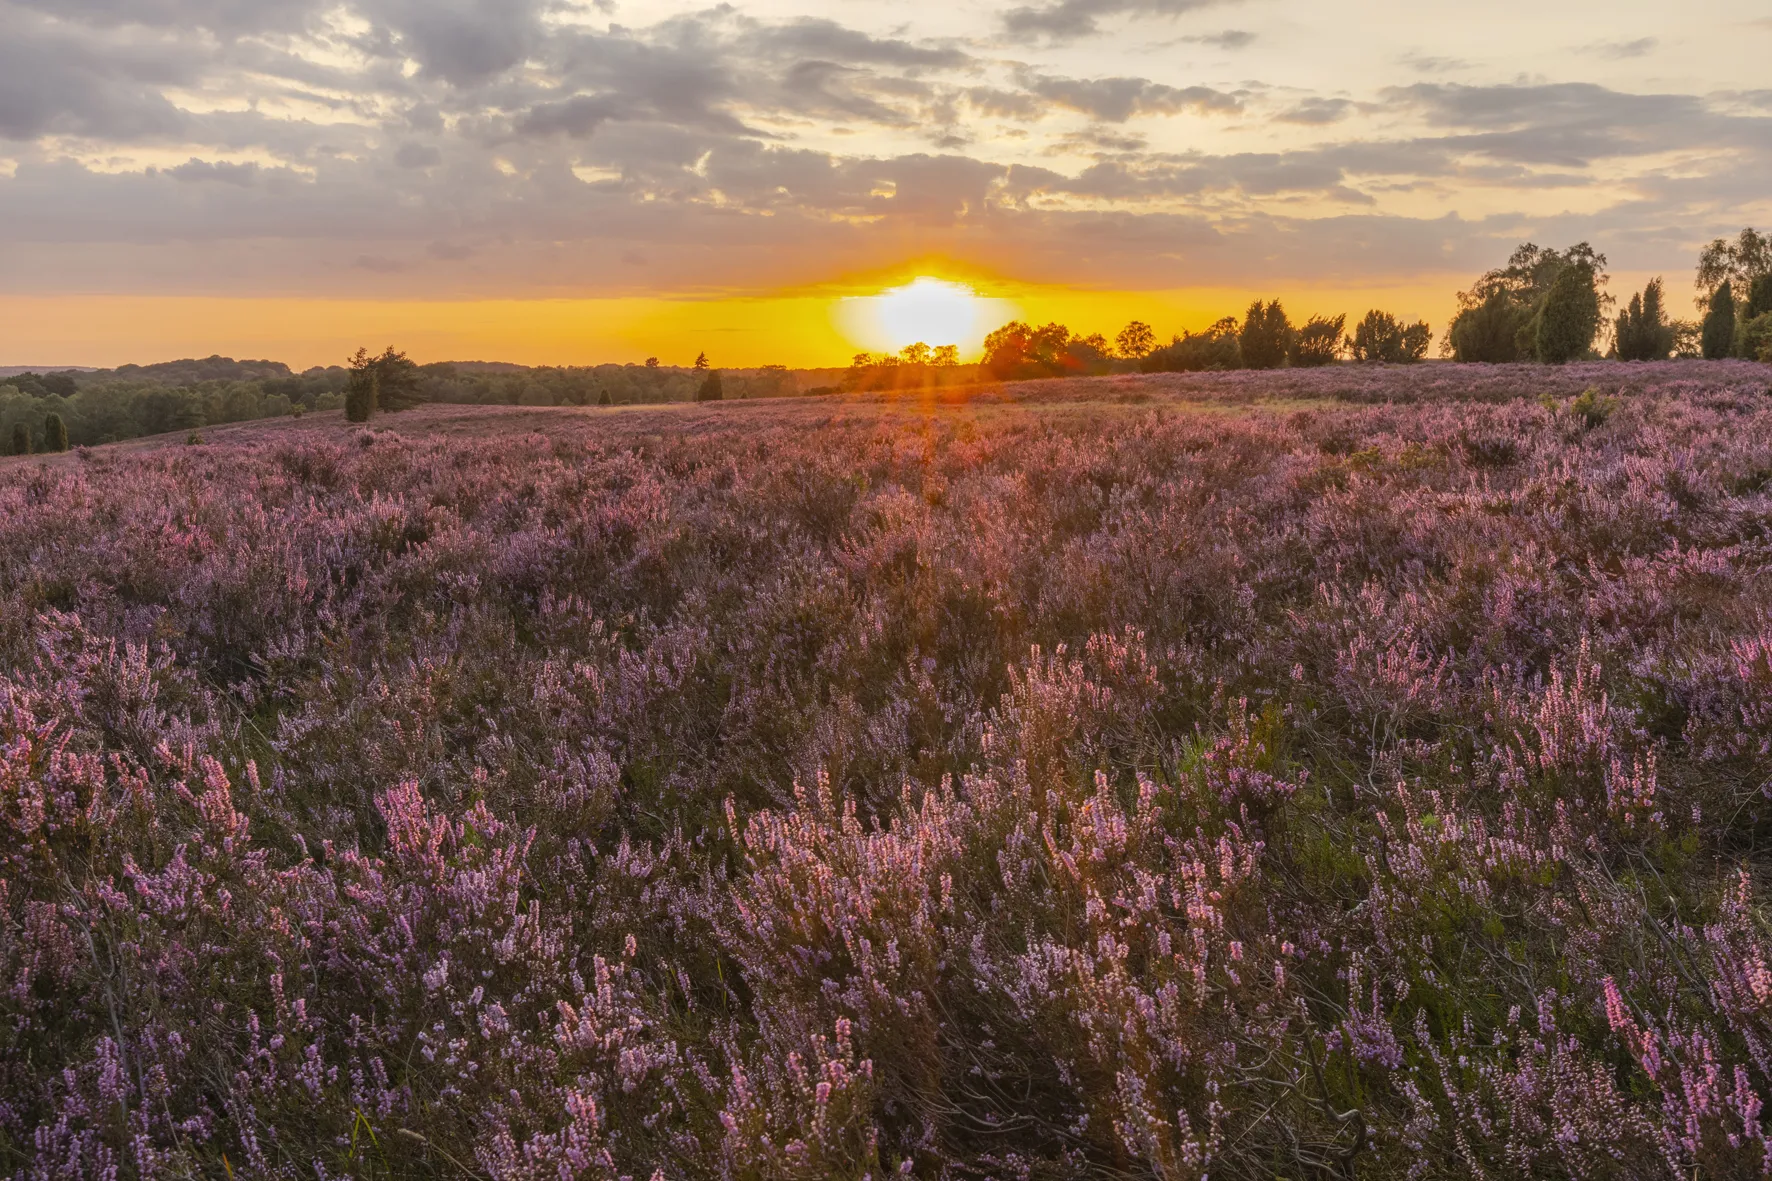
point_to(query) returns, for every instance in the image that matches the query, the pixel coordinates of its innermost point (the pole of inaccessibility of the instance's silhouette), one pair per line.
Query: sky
(584, 181)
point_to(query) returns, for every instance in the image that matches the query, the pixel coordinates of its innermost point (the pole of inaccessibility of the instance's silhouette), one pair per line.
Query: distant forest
(110, 405)
(1545, 306)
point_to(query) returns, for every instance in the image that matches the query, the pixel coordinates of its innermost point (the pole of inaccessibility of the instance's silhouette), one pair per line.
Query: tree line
(1265, 338)
(1547, 306)
(133, 401)
(1543, 305)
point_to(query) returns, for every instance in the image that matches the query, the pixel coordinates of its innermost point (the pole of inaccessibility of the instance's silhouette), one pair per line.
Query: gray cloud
(1622, 50)
(1317, 112)
(1229, 39)
(244, 175)
(222, 16)
(1423, 63)
(56, 80)
(1115, 100)
(418, 156)
(1006, 104)
(1081, 18)
(463, 42)
(819, 38)
(1572, 124)
(460, 177)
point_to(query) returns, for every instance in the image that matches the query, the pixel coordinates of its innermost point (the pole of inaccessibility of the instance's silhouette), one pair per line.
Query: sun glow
(927, 311)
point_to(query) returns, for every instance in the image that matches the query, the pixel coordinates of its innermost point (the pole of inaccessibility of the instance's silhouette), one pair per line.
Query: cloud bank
(544, 147)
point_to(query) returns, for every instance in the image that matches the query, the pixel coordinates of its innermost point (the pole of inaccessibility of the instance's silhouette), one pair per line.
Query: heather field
(1353, 772)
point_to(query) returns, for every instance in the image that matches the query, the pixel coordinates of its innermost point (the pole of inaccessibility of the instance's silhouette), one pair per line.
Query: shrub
(1215, 349)
(1490, 331)
(1382, 337)
(710, 389)
(1754, 339)
(1688, 339)
(1592, 407)
(1318, 342)
(55, 433)
(1266, 337)
(1717, 336)
(21, 439)
(805, 795)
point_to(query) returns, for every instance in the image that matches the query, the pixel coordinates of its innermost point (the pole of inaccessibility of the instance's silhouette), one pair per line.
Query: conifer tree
(55, 433)
(360, 395)
(1717, 337)
(1566, 323)
(1266, 337)
(21, 439)
(1642, 330)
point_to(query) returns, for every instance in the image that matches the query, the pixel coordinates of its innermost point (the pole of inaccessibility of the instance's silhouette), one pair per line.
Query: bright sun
(926, 310)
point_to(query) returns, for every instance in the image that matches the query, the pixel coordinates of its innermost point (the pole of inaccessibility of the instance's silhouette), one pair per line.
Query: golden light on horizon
(927, 311)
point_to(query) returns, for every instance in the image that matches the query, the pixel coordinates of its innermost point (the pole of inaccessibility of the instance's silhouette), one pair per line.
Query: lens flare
(926, 310)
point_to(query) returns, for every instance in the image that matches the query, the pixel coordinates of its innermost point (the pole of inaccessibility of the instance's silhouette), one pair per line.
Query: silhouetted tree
(1017, 352)
(1266, 337)
(1318, 342)
(387, 381)
(701, 360)
(1753, 340)
(1759, 298)
(1215, 349)
(603, 398)
(55, 433)
(1738, 263)
(1498, 317)
(1643, 333)
(1135, 341)
(360, 391)
(1088, 354)
(710, 390)
(1717, 336)
(398, 387)
(1569, 317)
(1490, 331)
(21, 439)
(652, 362)
(1382, 337)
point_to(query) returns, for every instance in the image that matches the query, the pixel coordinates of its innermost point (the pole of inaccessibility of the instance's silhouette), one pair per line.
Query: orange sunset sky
(566, 182)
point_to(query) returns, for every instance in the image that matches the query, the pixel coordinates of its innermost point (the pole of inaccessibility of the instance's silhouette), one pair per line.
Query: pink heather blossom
(1347, 772)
